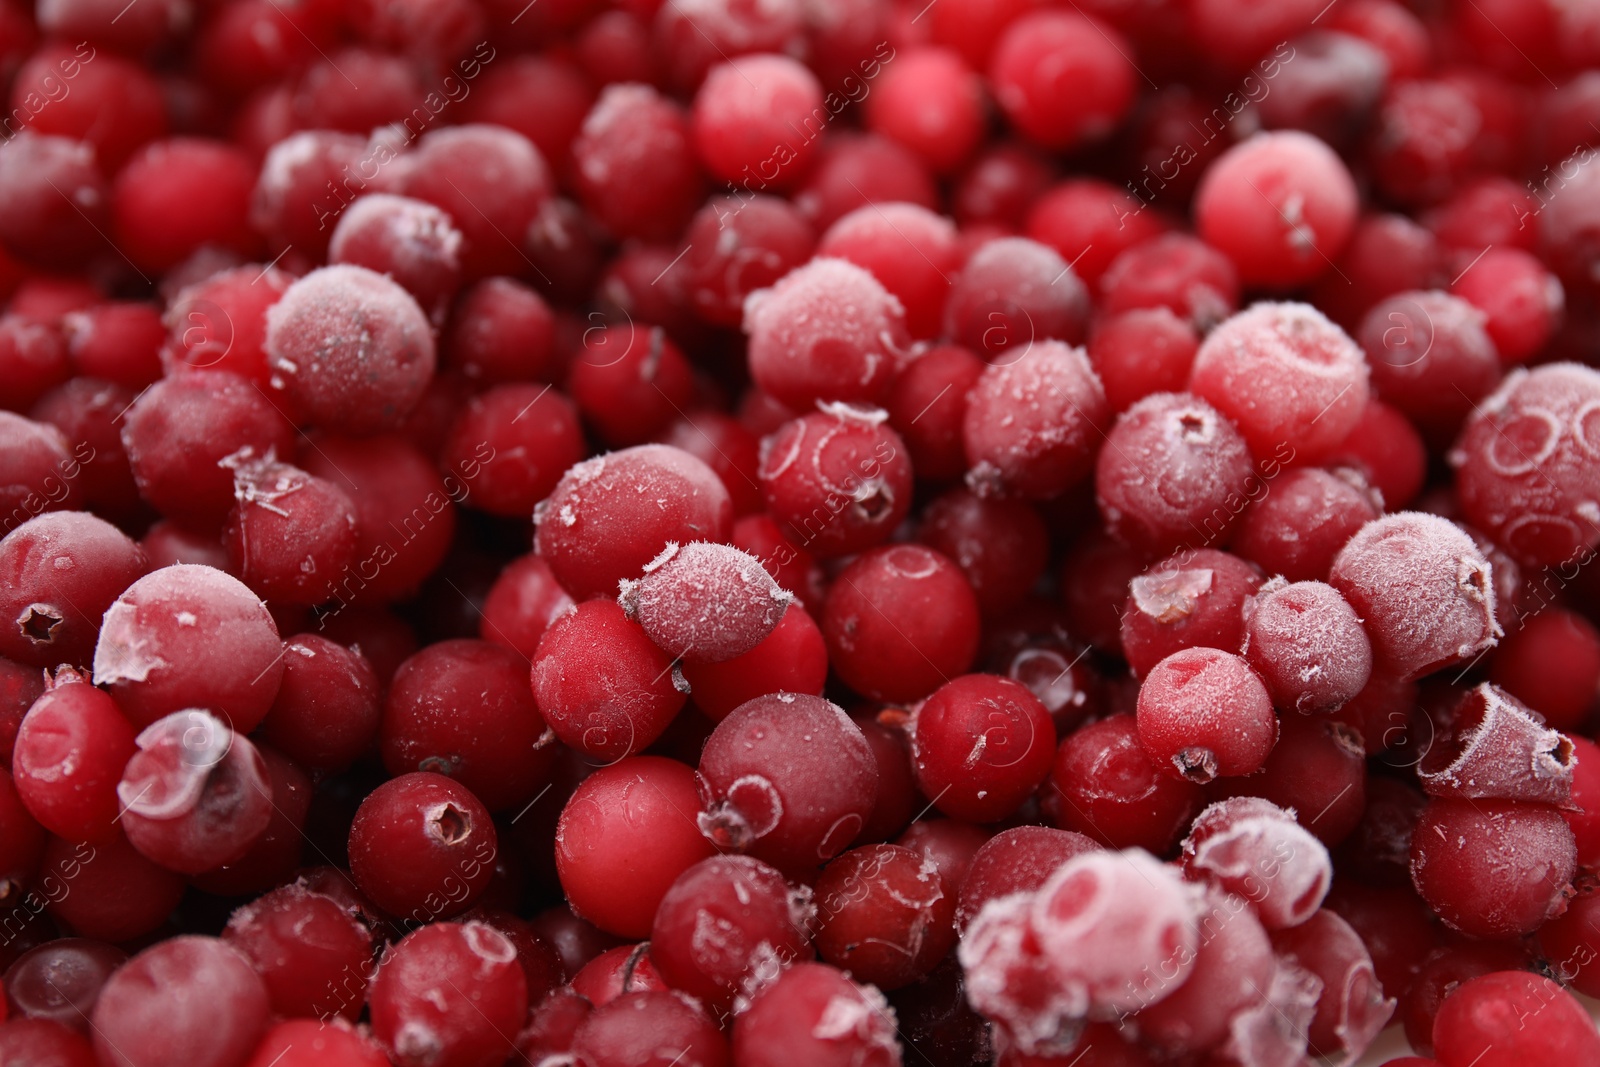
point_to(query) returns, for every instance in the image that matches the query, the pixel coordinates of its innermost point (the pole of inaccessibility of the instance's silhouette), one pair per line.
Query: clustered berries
(799, 533)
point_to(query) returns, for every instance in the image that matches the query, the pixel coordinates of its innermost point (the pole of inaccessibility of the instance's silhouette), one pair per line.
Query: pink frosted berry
(705, 602)
(1032, 424)
(1171, 463)
(1352, 1008)
(1307, 644)
(1293, 381)
(1423, 590)
(1203, 713)
(828, 330)
(1256, 850)
(1528, 464)
(412, 241)
(351, 348)
(1496, 749)
(1011, 293)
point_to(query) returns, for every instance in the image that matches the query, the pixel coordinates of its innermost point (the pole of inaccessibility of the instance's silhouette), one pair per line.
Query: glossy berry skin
(69, 755)
(784, 1023)
(29, 1041)
(1408, 563)
(786, 778)
(1139, 352)
(61, 570)
(737, 245)
(195, 795)
(837, 481)
(1242, 208)
(1492, 868)
(1111, 790)
(793, 658)
(926, 406)
(602, 685)
(630, 381)
(463, 708)
(884, 915)
(317, 1043)
(422, 846)
(1194, 599)
(483, 998)
(980, 744)
(1482, 1021)
(624, 837)
(1062, 78)
(60, 980)
(1523, 303)
(1546, 662)
(650, 1029)
(1523, 464)
(220, 323)
(328, 707)
(750, 905)
(189, 636)
(1292, 381)
(521, 604)
(516, 440)
(757, 114)
(186, 1000)
(602, 524)
(1001, 545)
(1305, 517)
(1030, 422)
(289, 532)
(1203, 713)
(500, 331)
(350, 348)
(1430, 356)
(117, 895)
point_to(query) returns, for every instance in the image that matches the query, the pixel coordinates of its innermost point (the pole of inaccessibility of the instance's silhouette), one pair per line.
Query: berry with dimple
(194, 999)
(69, 755)
(61, 571)
(705, 603)
(980, 744)
(1307, 644)
(1113, 791)
(1169, 472)
(1410, 566)
(1203, 713)
(422, 846)
(787, 778)
(312, 953)
(1495, 748)
(1189, 600)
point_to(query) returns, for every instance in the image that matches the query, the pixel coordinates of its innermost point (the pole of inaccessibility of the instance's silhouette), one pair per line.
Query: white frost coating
(1006, 979)
(417, 232)
(1272, 1031)
(705, 602)
(123, 653)
(158, 787)
(1167, 596)
(818, 314)
(1257, 850)
(1498, 750)
(487, 943)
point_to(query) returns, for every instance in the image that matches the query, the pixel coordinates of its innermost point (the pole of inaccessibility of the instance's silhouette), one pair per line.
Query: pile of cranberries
(799, 533)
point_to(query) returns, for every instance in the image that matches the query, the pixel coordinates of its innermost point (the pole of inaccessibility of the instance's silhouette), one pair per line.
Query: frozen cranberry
(178, 195)
(722, 443)
(189, 636)
(1552, 664)
(1011, 293)
(760, 925)
(625, 835)
(624, 969)
(350, 348)
(1307, 644)
(649, 1029)
(1000, 545)
(791, 566)
(630, 382)
(1430, 357)
(61, 980)
(1429, 568)
(1255, 849)
(758, 113)
(1386, 254)
(926, 406)
(635, 165)
(878, 237)
(884, 914)
(1032, 425)
(1387, 451)
(532, 431)
(289, 532)
(1194, 599)
(737, 245)
(900, 620)
(422, 846)
(27, 1041)
(980, 745)
(57, 202)
(932, 102)
(1089, 222)
(1330, 88)
(501, 330)
(1302, 521)
(412, 241)
(792, 658)
(181, 428)
(838, 479)
(815, 1014)
(854, 170)
(788, 778)
(602, 685)
(1392, 29)
(1481, 1021)
(193, 998)
(1169, 469)
(358, 89)
(1204, 713)
(62, 570)
(314, 956)
(405, 514)
(1292, 381)
(1522, 302)
(1495, 748)
(87, 411)
(611, 515)
(307, 180)
(317, 1043)
(448, 995)
(1140, 352)
(1315, 770)
(524, 600)
(1111, 790)
(1019, 860)
(220, 323)
(704, 602)
(1492, 868)
(1062, 78)
(111, 103)
(69, 755)
(116, 893)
